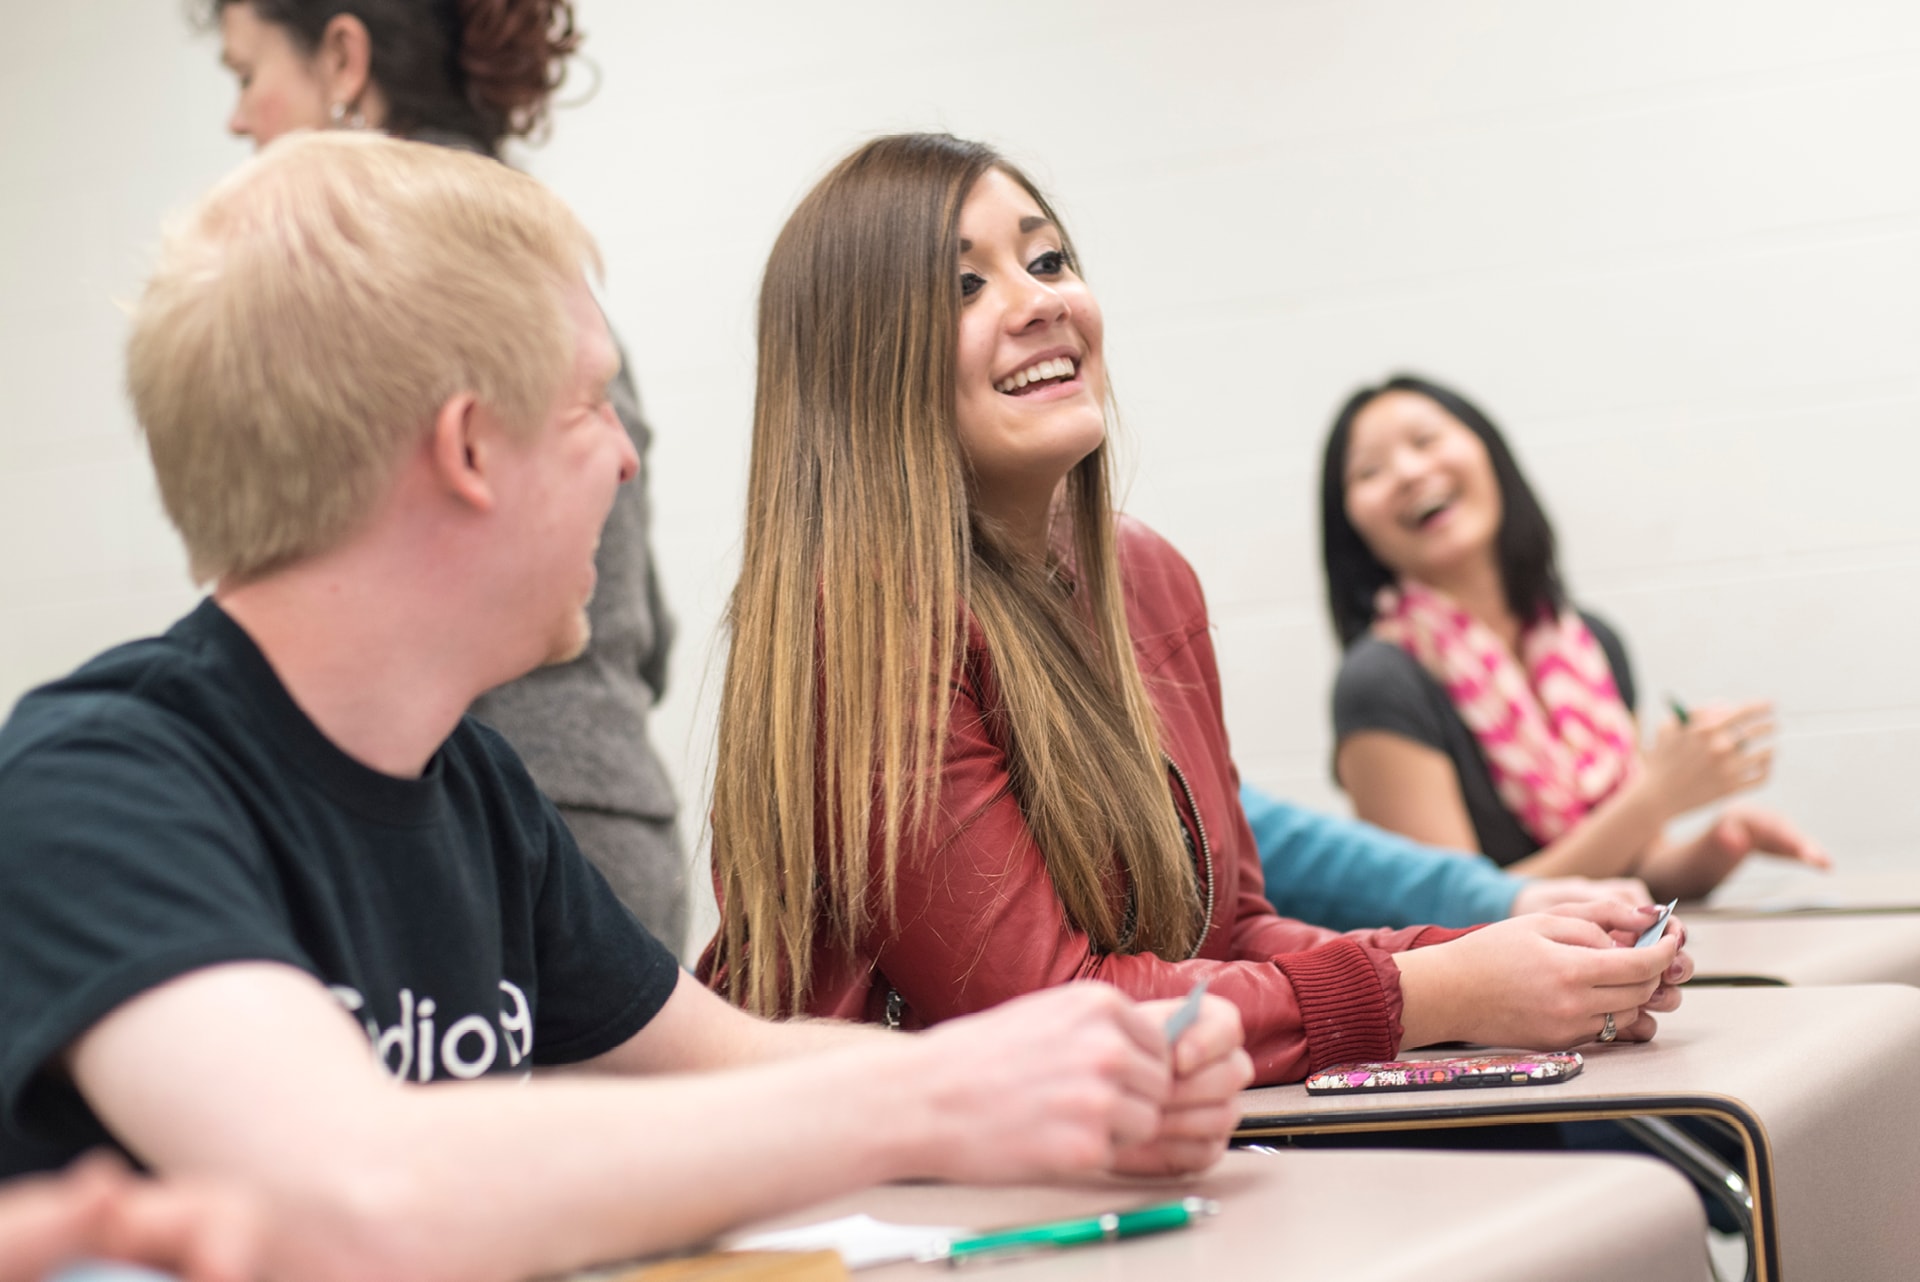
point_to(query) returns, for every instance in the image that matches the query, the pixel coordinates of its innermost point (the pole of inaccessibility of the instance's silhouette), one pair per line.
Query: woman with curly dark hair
(471, 71)
(471, 74)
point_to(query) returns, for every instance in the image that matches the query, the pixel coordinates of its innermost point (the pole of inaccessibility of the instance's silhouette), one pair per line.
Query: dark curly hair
(481, 69)
(1525, 546)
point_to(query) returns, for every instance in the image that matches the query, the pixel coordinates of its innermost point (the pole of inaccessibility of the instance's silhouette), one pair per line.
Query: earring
(338, 117)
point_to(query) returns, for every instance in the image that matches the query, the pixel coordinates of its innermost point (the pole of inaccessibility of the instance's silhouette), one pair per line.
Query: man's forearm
(1350, 875)
(697, 1031)
(496, 1180)
(369, 1178)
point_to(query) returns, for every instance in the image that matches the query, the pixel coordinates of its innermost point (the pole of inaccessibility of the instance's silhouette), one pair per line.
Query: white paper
(861, 1240)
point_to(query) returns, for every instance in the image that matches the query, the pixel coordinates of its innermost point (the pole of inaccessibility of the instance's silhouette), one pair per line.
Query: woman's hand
(1690, 870)
(1546, 894)
(1640, 1026)
(1720, 751)
(1545, 982)
(1744, 830)
(1210, 1069)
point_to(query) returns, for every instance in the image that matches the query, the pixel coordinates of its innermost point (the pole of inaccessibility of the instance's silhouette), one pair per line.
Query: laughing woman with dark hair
(1476, 708)
(471, 74)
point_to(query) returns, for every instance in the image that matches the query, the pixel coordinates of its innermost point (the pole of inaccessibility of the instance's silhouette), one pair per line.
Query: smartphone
(1459, 1072)
(1653, 932)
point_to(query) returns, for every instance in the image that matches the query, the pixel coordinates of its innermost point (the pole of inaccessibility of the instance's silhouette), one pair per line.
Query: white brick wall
(1674, 247)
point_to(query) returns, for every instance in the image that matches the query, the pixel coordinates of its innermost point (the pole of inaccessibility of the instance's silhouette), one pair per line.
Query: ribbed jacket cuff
(1344, 1010)
(1441, 935)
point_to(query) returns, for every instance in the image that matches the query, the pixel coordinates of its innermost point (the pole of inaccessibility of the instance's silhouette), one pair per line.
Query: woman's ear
(463, 452)
(344, 60)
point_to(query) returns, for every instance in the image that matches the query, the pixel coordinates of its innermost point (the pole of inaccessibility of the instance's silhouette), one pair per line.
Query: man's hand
(1053, 1083)
(97, 1209)
(1210, 1068)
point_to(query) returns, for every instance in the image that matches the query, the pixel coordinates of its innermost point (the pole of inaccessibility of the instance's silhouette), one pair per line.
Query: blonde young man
(245, 854)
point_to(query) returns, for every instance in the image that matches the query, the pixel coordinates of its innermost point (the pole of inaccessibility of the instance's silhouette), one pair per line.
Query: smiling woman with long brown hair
(971, 740)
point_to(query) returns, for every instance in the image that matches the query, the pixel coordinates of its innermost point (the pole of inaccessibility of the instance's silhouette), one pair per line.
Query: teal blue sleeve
(1350, 875)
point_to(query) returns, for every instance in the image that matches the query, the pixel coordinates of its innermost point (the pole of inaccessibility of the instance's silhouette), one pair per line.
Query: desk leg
(1754, 1209)
(1724, 1184)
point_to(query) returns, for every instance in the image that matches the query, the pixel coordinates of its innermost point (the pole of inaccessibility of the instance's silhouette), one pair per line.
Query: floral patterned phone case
(1457, 1072)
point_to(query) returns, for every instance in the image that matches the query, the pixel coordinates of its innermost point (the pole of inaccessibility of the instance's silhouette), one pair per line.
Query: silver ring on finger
(1607, 1031)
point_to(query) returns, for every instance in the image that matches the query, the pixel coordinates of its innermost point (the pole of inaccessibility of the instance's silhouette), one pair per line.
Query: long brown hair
(862, 562)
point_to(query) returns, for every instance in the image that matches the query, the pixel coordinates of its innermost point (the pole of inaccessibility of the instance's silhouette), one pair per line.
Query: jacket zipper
(1206, 850)
(896, 1007)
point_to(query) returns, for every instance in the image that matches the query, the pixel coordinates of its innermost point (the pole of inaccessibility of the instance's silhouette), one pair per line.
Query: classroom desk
(1360, 1216)
(1794, 892)
(1806, 949)
(1814, 1081)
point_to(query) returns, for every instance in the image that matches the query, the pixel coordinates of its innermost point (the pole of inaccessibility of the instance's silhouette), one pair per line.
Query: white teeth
(1058, 367)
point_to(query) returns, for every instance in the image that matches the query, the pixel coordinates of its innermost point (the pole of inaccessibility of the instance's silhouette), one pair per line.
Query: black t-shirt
(1382, 687)
(169, 807)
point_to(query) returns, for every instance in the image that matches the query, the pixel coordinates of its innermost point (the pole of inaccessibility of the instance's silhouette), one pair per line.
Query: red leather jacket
(980, 922)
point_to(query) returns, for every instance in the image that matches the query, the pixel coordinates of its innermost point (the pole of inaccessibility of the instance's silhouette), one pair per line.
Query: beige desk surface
(1817, 1080)
(1785, 890)
(1360, 1216)
(1806, 949)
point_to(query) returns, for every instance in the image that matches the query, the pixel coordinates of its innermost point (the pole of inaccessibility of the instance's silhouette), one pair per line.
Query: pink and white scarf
(1557, 738)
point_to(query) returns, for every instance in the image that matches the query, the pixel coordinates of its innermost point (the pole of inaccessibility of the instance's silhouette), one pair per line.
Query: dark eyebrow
(1028, 225)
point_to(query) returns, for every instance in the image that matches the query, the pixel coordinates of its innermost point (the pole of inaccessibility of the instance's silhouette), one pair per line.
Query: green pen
(1064, 1233)
(1679, 710)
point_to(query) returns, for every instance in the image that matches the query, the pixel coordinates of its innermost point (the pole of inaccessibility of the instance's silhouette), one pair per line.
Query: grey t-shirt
(1382, 687)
